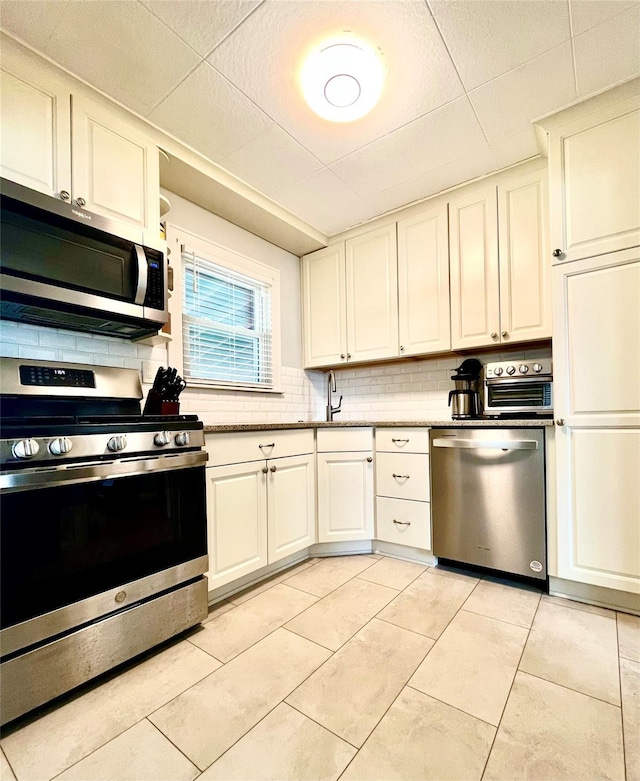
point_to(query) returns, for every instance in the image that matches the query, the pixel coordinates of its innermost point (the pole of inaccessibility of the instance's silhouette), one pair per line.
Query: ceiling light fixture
(342, 80)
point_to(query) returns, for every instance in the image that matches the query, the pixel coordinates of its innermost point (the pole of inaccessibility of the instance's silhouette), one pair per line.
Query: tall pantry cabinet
(595, 173)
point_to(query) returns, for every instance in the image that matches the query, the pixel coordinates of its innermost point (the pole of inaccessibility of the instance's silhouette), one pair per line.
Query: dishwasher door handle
(478, 444)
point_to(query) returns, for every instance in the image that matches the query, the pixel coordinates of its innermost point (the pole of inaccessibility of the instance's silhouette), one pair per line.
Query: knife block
(155, 405)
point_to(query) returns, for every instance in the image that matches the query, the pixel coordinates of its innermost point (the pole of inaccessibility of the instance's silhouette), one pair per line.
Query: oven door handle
(47, 477)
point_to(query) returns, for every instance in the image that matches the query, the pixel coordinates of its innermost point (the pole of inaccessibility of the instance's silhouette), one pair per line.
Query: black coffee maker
(465, 400)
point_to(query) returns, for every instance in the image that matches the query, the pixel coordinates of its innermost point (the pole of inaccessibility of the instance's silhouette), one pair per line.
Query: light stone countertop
(517, 423)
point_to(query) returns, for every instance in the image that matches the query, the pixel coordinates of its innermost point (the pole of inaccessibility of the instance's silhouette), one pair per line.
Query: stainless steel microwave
(64, 267)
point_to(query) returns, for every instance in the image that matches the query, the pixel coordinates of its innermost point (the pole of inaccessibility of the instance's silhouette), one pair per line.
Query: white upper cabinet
(595, 170)
(372, 295)
(475, 281)
(500, 272)
(115, 169)
(324, 306)
(525, 270)
(90, 156)
(35, 145)
(423, 283)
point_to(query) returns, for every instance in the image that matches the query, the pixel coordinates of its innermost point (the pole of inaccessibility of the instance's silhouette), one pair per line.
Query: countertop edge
(315, 424)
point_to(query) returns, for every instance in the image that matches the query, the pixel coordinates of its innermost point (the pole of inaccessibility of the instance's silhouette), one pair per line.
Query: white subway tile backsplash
(51, 338)
(36, 353)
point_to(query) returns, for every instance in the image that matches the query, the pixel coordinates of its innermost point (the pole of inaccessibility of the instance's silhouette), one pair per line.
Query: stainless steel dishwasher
(488, 498)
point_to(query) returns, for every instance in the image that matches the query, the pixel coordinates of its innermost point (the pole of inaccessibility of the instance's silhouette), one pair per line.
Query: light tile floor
(359, 667)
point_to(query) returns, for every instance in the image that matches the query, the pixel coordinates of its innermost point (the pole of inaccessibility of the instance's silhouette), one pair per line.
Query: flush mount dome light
(342, 80)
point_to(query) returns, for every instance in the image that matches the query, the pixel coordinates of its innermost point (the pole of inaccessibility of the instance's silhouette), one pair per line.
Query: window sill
(194, 384)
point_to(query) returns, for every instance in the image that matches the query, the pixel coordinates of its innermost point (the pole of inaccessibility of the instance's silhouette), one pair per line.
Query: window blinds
(226, 325)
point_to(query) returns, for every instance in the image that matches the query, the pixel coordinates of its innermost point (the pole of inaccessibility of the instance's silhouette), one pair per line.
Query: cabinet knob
(348, 356)
(401, 348)
(264, 470)
(342, 355)
(557, 253)
(273, 469)
(81, 202)
(560, 421)
(494, 334)
(504, 334)
(64, 195)
(369, 459)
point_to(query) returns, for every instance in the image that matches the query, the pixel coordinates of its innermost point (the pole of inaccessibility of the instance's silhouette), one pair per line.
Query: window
(227, 320)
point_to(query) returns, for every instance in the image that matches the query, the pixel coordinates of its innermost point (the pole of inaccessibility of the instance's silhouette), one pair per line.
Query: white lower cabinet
(261, 511)
(403, 510)
(345, 484)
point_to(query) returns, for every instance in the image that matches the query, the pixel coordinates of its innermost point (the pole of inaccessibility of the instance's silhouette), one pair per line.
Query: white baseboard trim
(595, 595)
(340, 548)
(228, 589)
(404, 552)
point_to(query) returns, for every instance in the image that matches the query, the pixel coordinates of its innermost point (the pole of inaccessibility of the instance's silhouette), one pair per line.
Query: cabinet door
(423, 283)
(372, 295)
(525, 267)
(475, 296)
(324, 307)
(115, 168)
(237, 521)
(35, 141)
(597, 398)
(596, 187)
(345, 496)
(291, 503)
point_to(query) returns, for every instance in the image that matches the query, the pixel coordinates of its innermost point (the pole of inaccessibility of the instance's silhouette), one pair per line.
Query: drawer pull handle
(401, 477)
(273, 444)
(402, 523)
(399, 440)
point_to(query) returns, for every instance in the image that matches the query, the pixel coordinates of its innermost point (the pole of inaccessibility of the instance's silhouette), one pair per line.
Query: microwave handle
(143, 271)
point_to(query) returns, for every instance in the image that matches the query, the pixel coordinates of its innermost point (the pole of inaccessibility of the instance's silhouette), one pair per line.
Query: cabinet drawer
(234, 448)
(402, 440)
(411, 472)
(404, 522)
(332, 440)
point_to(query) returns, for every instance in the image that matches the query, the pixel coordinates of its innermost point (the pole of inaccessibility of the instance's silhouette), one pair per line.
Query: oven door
(81, 542)
(519, 395)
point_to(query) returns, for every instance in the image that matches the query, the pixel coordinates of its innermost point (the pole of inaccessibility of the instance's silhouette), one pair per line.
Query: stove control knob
(537, 368)
(511, 370)
(60, 446)
(182, 438)
(162, 438)
(498, 371)
(25, 448)
(119, 442)
(524, 369)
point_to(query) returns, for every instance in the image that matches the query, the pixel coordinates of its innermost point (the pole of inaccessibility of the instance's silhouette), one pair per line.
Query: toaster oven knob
(182, 438)
(162, 438)
(524, 369)
(537, 368)
(498, 371)
(25, 448)
(119, 442)
(60, 446)
(511, 370)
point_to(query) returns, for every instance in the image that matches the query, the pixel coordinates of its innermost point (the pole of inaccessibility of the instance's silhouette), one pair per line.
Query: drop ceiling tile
(272, 160)
(492, 37)
(200, 23)
(443, 135)
(210, 115)
(264, 55)
(31, 20)
(586, 14)
(506, 105)
(608, 53)
(122, 49)
(469, 167)
(512, 150)
(374, 167)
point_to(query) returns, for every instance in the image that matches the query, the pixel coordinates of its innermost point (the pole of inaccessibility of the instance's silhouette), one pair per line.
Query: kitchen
(312, 208)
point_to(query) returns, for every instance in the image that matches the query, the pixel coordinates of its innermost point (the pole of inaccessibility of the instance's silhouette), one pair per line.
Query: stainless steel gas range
(103, 527)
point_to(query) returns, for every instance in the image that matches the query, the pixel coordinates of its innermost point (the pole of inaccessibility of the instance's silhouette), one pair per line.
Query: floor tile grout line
(495, 618)
(579, 609)
(10, 765)
(315, 721)
(624, 742)
(449, 705)
(506, 701)
(571, 689)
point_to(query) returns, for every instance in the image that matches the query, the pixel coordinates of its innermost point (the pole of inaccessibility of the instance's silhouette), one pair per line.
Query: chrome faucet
(331, 388)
